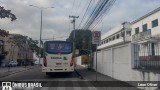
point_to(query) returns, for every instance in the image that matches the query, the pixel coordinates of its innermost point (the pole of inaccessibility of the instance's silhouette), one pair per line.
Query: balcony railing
(142, 35)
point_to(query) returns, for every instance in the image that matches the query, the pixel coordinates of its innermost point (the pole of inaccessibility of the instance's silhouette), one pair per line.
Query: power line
(110, 4)
(92, 13)
(54, 38)
(85, 13)
(78, 7)
(72, 7)
(97, 14)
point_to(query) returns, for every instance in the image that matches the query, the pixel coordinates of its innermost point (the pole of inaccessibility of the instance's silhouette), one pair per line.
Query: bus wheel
(47, 73)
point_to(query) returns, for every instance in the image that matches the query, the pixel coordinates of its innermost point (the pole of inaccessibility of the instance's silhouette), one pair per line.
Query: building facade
(3, 35)
(144, 32)
(117, 35)
(137, 60)
(22, 54)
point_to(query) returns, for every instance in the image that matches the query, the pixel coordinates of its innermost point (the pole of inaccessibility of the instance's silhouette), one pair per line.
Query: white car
(13, 63)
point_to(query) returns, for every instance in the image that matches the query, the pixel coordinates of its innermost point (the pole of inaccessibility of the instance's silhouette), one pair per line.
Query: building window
(128, 33)
(113, 38)
(117, 36)
(122, 34)
(137, 30)
(109, 39)
(144, 27)
(154, 23)
(106, 40)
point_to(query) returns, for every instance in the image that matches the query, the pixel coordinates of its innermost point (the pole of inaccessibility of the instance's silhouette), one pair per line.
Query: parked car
(13, 63)
(4, 63)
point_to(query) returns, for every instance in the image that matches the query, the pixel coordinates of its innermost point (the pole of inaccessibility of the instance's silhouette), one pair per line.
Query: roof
(150, 13)
(112, 31)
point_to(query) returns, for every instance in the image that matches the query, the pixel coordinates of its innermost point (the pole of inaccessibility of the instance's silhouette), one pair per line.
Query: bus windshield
(59, 47)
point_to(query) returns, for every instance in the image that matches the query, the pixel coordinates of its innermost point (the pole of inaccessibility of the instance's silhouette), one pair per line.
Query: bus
(57, 57)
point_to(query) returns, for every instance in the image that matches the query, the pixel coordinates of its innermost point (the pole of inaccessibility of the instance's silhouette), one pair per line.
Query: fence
(147, 56)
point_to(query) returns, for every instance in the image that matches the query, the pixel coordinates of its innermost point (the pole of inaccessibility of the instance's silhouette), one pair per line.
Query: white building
(137, 60)
(117, 35)
(36, 59)
(146, 32)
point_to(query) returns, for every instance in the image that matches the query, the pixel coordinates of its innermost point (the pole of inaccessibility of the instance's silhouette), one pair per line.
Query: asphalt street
(36, 75)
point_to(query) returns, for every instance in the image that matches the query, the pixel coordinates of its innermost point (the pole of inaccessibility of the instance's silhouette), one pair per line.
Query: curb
(11, 73)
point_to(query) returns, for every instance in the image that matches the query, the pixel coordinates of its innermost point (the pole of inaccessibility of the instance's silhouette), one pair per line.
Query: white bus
(58, 57)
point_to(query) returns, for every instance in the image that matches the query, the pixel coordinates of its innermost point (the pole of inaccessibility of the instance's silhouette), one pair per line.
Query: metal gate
(147, 55)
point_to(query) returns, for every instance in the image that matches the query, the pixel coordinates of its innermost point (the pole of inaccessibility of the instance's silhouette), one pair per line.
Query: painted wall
(79, 61)
(148, 20)
(118, 63)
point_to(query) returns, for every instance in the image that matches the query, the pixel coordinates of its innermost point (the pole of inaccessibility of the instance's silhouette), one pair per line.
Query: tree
(33, 45)
(20, 41)
(23, 42)
(6, 14)
(82, 40)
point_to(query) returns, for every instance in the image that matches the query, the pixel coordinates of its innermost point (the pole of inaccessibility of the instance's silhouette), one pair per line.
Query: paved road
(37, 75)
(5, 71)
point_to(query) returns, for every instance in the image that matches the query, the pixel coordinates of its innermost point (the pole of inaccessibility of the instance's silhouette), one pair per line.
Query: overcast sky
(56, 20)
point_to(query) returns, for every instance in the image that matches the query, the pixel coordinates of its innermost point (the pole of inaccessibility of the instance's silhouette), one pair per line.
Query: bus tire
(47, 73)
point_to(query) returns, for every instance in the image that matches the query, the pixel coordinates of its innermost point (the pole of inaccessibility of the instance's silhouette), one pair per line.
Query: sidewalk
(91, 76)
(5, 71)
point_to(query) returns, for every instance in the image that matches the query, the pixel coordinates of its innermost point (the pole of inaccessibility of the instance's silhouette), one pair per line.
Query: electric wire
(92, 13)
(72, 7)
(85, 13)
(102, 8)
(96, 14)
(104, 14)
(78, 7)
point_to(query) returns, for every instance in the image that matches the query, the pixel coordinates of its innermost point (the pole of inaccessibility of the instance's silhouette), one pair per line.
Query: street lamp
(41, 8)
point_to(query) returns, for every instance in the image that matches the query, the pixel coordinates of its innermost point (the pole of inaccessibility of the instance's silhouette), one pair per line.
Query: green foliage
(82, 40)
(3, 33)
(21, 41)
(18, 39)
(33, 45)
(6, 14)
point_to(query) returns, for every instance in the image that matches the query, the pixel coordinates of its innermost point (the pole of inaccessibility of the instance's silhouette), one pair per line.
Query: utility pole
(41, 8)
(73, 21)
(53, 36)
